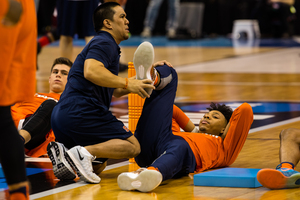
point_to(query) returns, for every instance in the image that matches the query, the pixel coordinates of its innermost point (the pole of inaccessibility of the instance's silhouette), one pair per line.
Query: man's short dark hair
(222, 108)
(63, 61)
(102, 12)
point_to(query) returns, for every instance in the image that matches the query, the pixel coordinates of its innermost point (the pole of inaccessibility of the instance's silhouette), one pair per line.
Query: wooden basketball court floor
(265, 76)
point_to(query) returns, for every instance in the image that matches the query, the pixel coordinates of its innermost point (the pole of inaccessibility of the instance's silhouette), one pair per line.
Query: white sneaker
(146, 32)
(142, 60)
(171, 33)
(81, 160)
(61, 168)
(143, 180)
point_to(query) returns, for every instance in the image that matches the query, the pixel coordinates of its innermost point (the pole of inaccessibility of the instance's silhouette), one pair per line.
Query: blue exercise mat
(228, 177)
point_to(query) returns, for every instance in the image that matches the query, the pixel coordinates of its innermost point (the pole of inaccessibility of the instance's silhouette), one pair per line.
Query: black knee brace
(39, 124)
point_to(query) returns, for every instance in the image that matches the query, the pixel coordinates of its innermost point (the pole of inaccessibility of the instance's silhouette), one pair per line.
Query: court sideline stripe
(74, 185)
(239, 83)
(274, 125)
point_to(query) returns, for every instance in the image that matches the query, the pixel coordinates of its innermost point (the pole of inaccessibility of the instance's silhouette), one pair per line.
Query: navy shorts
(76, 121)
(76, 17)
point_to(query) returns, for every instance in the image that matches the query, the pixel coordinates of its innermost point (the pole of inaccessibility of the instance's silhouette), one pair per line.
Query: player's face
(120, 24)
(58, 78)
(213, 123)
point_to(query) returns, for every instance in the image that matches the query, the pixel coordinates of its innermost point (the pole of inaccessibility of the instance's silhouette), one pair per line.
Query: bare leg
(115, 148)
(26, 135)
(284, 176)
(66, 46)
(290, 145)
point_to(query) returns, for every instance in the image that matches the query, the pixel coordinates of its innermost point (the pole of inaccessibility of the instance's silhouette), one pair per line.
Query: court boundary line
(73, 185)
(276, 124)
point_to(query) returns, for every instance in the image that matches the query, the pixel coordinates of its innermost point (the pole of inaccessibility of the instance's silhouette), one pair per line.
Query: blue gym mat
(228, 177)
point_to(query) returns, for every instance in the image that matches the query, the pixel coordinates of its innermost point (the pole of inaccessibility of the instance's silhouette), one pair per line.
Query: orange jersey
(212, 151)
(22, 110)
(3, 8)
(18, 56)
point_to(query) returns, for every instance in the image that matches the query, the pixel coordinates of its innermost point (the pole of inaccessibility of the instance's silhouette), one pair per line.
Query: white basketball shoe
(81, 161)
(142, 60)
(143, 180)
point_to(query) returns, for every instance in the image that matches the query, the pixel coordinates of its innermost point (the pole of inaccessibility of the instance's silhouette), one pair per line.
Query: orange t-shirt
(18, 56)
(212, 151)
(22, 110)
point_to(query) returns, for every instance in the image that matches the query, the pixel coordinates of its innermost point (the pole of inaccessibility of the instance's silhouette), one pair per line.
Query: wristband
(126, 83)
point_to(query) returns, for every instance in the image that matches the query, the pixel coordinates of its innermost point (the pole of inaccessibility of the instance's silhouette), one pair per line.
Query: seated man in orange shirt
(166, 153)
(33, 117)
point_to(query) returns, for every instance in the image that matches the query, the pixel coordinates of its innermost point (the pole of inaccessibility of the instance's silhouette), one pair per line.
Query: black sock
(20, 190)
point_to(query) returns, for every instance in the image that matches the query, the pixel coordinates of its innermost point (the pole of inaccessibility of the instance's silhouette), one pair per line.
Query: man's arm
(118, 92)
(236, 132)
(96, 72)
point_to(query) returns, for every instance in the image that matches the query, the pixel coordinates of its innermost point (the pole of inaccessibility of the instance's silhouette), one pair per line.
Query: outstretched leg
(154, 126)
(163, 153)
(289, 145)
(284, 176)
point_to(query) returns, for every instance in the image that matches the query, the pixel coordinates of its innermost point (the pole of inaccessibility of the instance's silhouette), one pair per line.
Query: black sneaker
(61, 168)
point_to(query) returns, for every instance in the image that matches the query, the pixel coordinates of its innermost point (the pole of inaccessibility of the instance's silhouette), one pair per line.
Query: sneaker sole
(142, 60)
(80, 171)
(274, 179)
(61, 168)
(146, 181)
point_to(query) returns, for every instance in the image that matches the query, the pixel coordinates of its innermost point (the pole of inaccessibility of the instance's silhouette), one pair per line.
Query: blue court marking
(260, 107)
(29, 171)
(162, 41)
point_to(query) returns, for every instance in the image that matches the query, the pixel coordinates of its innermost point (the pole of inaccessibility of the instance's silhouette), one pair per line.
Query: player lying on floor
(165, 154)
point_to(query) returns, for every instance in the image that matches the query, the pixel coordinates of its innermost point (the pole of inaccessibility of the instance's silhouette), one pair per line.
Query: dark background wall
(218, 15)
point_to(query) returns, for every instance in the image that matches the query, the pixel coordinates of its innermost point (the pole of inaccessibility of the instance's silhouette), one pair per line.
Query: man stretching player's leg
(166, 154)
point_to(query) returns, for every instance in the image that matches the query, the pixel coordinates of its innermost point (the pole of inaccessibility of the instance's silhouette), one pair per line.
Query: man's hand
(14, 13)
(138, 86)
(162, 62)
